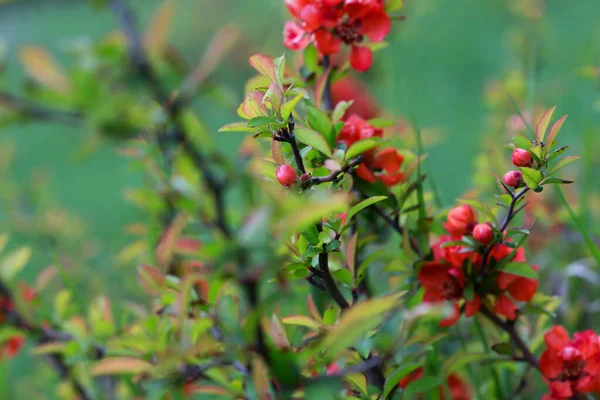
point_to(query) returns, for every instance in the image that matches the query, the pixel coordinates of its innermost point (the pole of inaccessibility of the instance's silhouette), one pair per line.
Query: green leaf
(340, 109)
(288, 107)
(381, 122)
(556, 153)
(459, 360)
(563, 162)
(391, 6)
(540, 129)
(311, 58)
(241, 126)
(12, 264)
(313, 139)
(469, 292)
(279, 69)
(557, 181)
(363, 204)
(257, 121)
(333, 245)
(344, 276)
(424, 384)
(324, 237)
(356, 322)
(320, 122)
(520, 269)
(532, 177)
(361, 146)
(503, 348)
(521, 142)
(396, 376)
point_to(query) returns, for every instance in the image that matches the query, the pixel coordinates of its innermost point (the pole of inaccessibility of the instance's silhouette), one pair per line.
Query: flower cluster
(572, 366)
(379, 164)
(459, 389)
(458, 274)
(329, 23)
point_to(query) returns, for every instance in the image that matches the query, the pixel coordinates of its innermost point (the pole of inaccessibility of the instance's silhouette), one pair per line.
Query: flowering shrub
(316, 264)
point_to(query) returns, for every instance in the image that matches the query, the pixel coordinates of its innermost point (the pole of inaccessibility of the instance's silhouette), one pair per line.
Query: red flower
(361, 58)
(356, 128)
(331, 22)
(459, 389)
(294, 37)
(460, 220)
(454, 255)
(12, 346)
(571, 366)
(350, 89)
(446, 283)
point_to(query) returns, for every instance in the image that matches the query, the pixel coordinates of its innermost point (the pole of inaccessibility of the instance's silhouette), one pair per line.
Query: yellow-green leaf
(313, 139)
(532, 177)
(540, 130)
(302, 321)
(40, 65)
(563, 162)
(120, 366)
(364, 204)
(288, 106)
(241, 126)
(264, 65)
(361, 146)
(12, 264)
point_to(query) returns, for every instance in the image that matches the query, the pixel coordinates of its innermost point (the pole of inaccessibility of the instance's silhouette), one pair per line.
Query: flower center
(573, 370)
(349, 32)
(451, 289)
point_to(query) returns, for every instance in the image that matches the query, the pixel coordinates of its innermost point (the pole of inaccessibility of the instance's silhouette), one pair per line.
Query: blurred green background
(436, 68)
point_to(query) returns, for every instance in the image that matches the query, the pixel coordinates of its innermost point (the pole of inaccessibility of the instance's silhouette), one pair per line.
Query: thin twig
(514, 336)
(38, 111)
(521, 385)
(335, 175)
(330, 284)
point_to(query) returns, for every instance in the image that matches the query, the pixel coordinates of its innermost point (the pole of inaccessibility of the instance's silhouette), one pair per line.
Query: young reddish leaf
(274, 96)
(264, 65)
(278, 334)
(351, 253)
(554, 131)
(49, 348)
(540, 130)
(157, 35)
(207, 389)
(188, 246)
(40, 65)
(320, 88)
(252, 106)
(279, 69)
(120, 366)
(168, 240)
(277, 152)
(151, 279)
(260, 378)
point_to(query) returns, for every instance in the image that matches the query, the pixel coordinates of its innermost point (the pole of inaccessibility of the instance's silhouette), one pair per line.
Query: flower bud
(483, 233)
(460, 220)
(521, 158)
(304, 177)
(286, 175)
(514, 179)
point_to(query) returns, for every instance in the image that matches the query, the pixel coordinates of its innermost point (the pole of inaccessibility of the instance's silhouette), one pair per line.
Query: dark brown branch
(330, 284)
(327, 101)
(28, 109)
(335, 175)
(509, 328)
(521, 385)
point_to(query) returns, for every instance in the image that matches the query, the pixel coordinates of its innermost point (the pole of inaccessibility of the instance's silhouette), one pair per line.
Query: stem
(334, 176)
(511, 208)
(330, 284)
(327, 101)
(37, 111)
(493, 371)
(521, 385)
(509, 328)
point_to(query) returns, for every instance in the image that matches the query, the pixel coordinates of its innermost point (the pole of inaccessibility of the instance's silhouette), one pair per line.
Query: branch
(327, 101)
(334, 176)
(509, 328)
(521, 385)
(330, 284)
(38, 111)
(511, 208)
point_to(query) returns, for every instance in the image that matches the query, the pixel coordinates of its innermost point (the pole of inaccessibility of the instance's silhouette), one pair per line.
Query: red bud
(521, 158)
(514, 178)
(286, 175)
(483, 233)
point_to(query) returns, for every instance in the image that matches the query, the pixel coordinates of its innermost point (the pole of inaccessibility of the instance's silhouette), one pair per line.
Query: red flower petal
(361, 58)
(311, 17)
(363, 172)
(433, 275)
(556, 338)
(523, 289)
(376, 25)
(388, 159)
(453, 318)
(471, 307)
(504, 306)
(550, 364)
(294, 37)
(326, 43)
(391, 180)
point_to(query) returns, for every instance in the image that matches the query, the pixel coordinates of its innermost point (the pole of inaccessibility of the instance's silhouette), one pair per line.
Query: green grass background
(436, 66)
